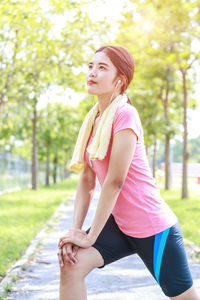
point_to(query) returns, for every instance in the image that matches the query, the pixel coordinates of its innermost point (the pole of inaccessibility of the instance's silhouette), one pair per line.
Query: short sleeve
(127, 117)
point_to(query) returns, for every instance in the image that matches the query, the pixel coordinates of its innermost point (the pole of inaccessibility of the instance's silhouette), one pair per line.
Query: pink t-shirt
(140, 210)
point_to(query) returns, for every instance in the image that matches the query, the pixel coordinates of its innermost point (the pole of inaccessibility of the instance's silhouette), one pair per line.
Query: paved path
(126, 279)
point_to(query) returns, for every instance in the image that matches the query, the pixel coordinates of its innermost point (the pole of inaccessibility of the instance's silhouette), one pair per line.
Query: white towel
(99, 145)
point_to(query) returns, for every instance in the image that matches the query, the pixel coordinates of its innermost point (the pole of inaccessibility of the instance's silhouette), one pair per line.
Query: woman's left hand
(77, 237)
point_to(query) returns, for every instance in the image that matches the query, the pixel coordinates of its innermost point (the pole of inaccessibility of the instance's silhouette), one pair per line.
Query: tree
(152, 83)
(59, 125)
(179, 19)
(163, 32)
(41, 57)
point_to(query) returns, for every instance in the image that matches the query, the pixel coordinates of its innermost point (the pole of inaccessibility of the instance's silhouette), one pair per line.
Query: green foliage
(187, 212)
(8, 288)
(160, 35)
(57, 130)
(58, 127)
(37, 52)
(177, 151)
(23, 214)
(193, 148)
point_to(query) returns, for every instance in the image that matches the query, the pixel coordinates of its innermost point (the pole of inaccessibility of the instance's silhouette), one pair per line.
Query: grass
(24, 213)
(22, 216)
(187, 211)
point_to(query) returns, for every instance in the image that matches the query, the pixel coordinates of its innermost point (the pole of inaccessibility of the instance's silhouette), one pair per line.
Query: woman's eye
(102, 68)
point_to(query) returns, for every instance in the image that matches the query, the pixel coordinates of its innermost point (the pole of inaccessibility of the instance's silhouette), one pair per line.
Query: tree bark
(184, 193)
(167, 162)
(167, 141)
(55, 169)
(147, 150)
(154, 155)
(34, 152)
(47, 166)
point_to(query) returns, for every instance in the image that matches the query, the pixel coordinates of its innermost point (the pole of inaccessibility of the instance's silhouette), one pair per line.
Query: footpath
(126, 279)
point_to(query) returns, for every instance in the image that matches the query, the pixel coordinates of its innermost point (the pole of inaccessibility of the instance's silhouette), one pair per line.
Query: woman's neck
(104, 101)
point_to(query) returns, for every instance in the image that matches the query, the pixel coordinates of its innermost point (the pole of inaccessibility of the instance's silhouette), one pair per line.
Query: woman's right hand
(68, 253)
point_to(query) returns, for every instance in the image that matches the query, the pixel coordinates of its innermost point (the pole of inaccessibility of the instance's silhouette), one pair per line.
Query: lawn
(187, 211)
(23, 214)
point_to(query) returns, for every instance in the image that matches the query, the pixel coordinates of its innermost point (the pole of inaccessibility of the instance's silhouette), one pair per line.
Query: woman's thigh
(112, 243)
(164, 255)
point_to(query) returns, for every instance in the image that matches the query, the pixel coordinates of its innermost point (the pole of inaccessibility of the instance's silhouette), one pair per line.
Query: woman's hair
(123, 61)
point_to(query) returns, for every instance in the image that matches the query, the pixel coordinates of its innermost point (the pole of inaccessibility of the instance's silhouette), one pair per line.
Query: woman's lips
(90, 82)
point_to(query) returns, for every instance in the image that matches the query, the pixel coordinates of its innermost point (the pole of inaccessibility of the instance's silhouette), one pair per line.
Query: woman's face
(101, 76)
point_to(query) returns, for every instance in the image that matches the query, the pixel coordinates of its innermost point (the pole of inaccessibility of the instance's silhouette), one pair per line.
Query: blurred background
(45, 47)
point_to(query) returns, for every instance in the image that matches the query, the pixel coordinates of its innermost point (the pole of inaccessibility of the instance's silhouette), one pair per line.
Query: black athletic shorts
(163, 254)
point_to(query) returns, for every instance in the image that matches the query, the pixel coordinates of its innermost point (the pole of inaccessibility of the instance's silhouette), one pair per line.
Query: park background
(45, 48)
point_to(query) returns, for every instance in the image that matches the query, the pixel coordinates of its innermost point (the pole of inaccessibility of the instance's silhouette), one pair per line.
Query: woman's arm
(84, 194)
(123, 149)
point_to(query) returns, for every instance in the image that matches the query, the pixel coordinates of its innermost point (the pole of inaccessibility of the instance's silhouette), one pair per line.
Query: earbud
(118, 82)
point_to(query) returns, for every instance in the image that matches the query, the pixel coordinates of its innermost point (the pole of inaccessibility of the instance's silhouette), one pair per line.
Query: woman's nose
(93, 72)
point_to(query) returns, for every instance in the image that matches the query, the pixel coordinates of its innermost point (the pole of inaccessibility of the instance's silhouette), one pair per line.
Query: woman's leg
(72, 277)
(190, 294)
(165, 256)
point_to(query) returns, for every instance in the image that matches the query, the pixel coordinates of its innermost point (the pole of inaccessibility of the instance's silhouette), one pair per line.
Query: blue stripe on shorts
(159, 246)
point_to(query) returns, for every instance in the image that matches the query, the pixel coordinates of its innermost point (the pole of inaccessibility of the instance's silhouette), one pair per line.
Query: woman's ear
(123, 83)
(118, 83)
(123, 79)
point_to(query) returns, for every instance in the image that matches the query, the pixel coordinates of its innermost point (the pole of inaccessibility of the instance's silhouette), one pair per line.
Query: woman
(131, 217)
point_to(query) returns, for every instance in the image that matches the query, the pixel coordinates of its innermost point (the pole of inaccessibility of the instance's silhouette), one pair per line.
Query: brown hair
(123, 61)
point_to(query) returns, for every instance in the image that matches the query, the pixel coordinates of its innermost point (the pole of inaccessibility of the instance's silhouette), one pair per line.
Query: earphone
(118, 82)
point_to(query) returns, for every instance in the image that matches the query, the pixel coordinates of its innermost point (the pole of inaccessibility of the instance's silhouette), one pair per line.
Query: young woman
(131, 217)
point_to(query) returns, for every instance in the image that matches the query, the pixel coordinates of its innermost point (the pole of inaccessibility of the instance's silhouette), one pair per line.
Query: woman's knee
(70, 272)
(88, 259)
(190, 294)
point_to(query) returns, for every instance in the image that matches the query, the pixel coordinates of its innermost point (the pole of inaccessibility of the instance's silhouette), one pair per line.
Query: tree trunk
(55, 169)
(34, 152)
(167, 162)
(154, 156)
(185, 153)
(1, 107)
(147, 152)
(47, 167)
(167, 141)
(66, 173)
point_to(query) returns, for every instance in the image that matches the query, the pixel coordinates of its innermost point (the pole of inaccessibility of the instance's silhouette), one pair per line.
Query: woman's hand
(70, 231)
(78, 237)
(68, 253)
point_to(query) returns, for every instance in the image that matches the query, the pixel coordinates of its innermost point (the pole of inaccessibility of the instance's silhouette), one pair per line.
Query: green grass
(188, 213)
(24, 213)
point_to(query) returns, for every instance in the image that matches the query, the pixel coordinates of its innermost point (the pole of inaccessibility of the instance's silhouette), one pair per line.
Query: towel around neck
(99, 145)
